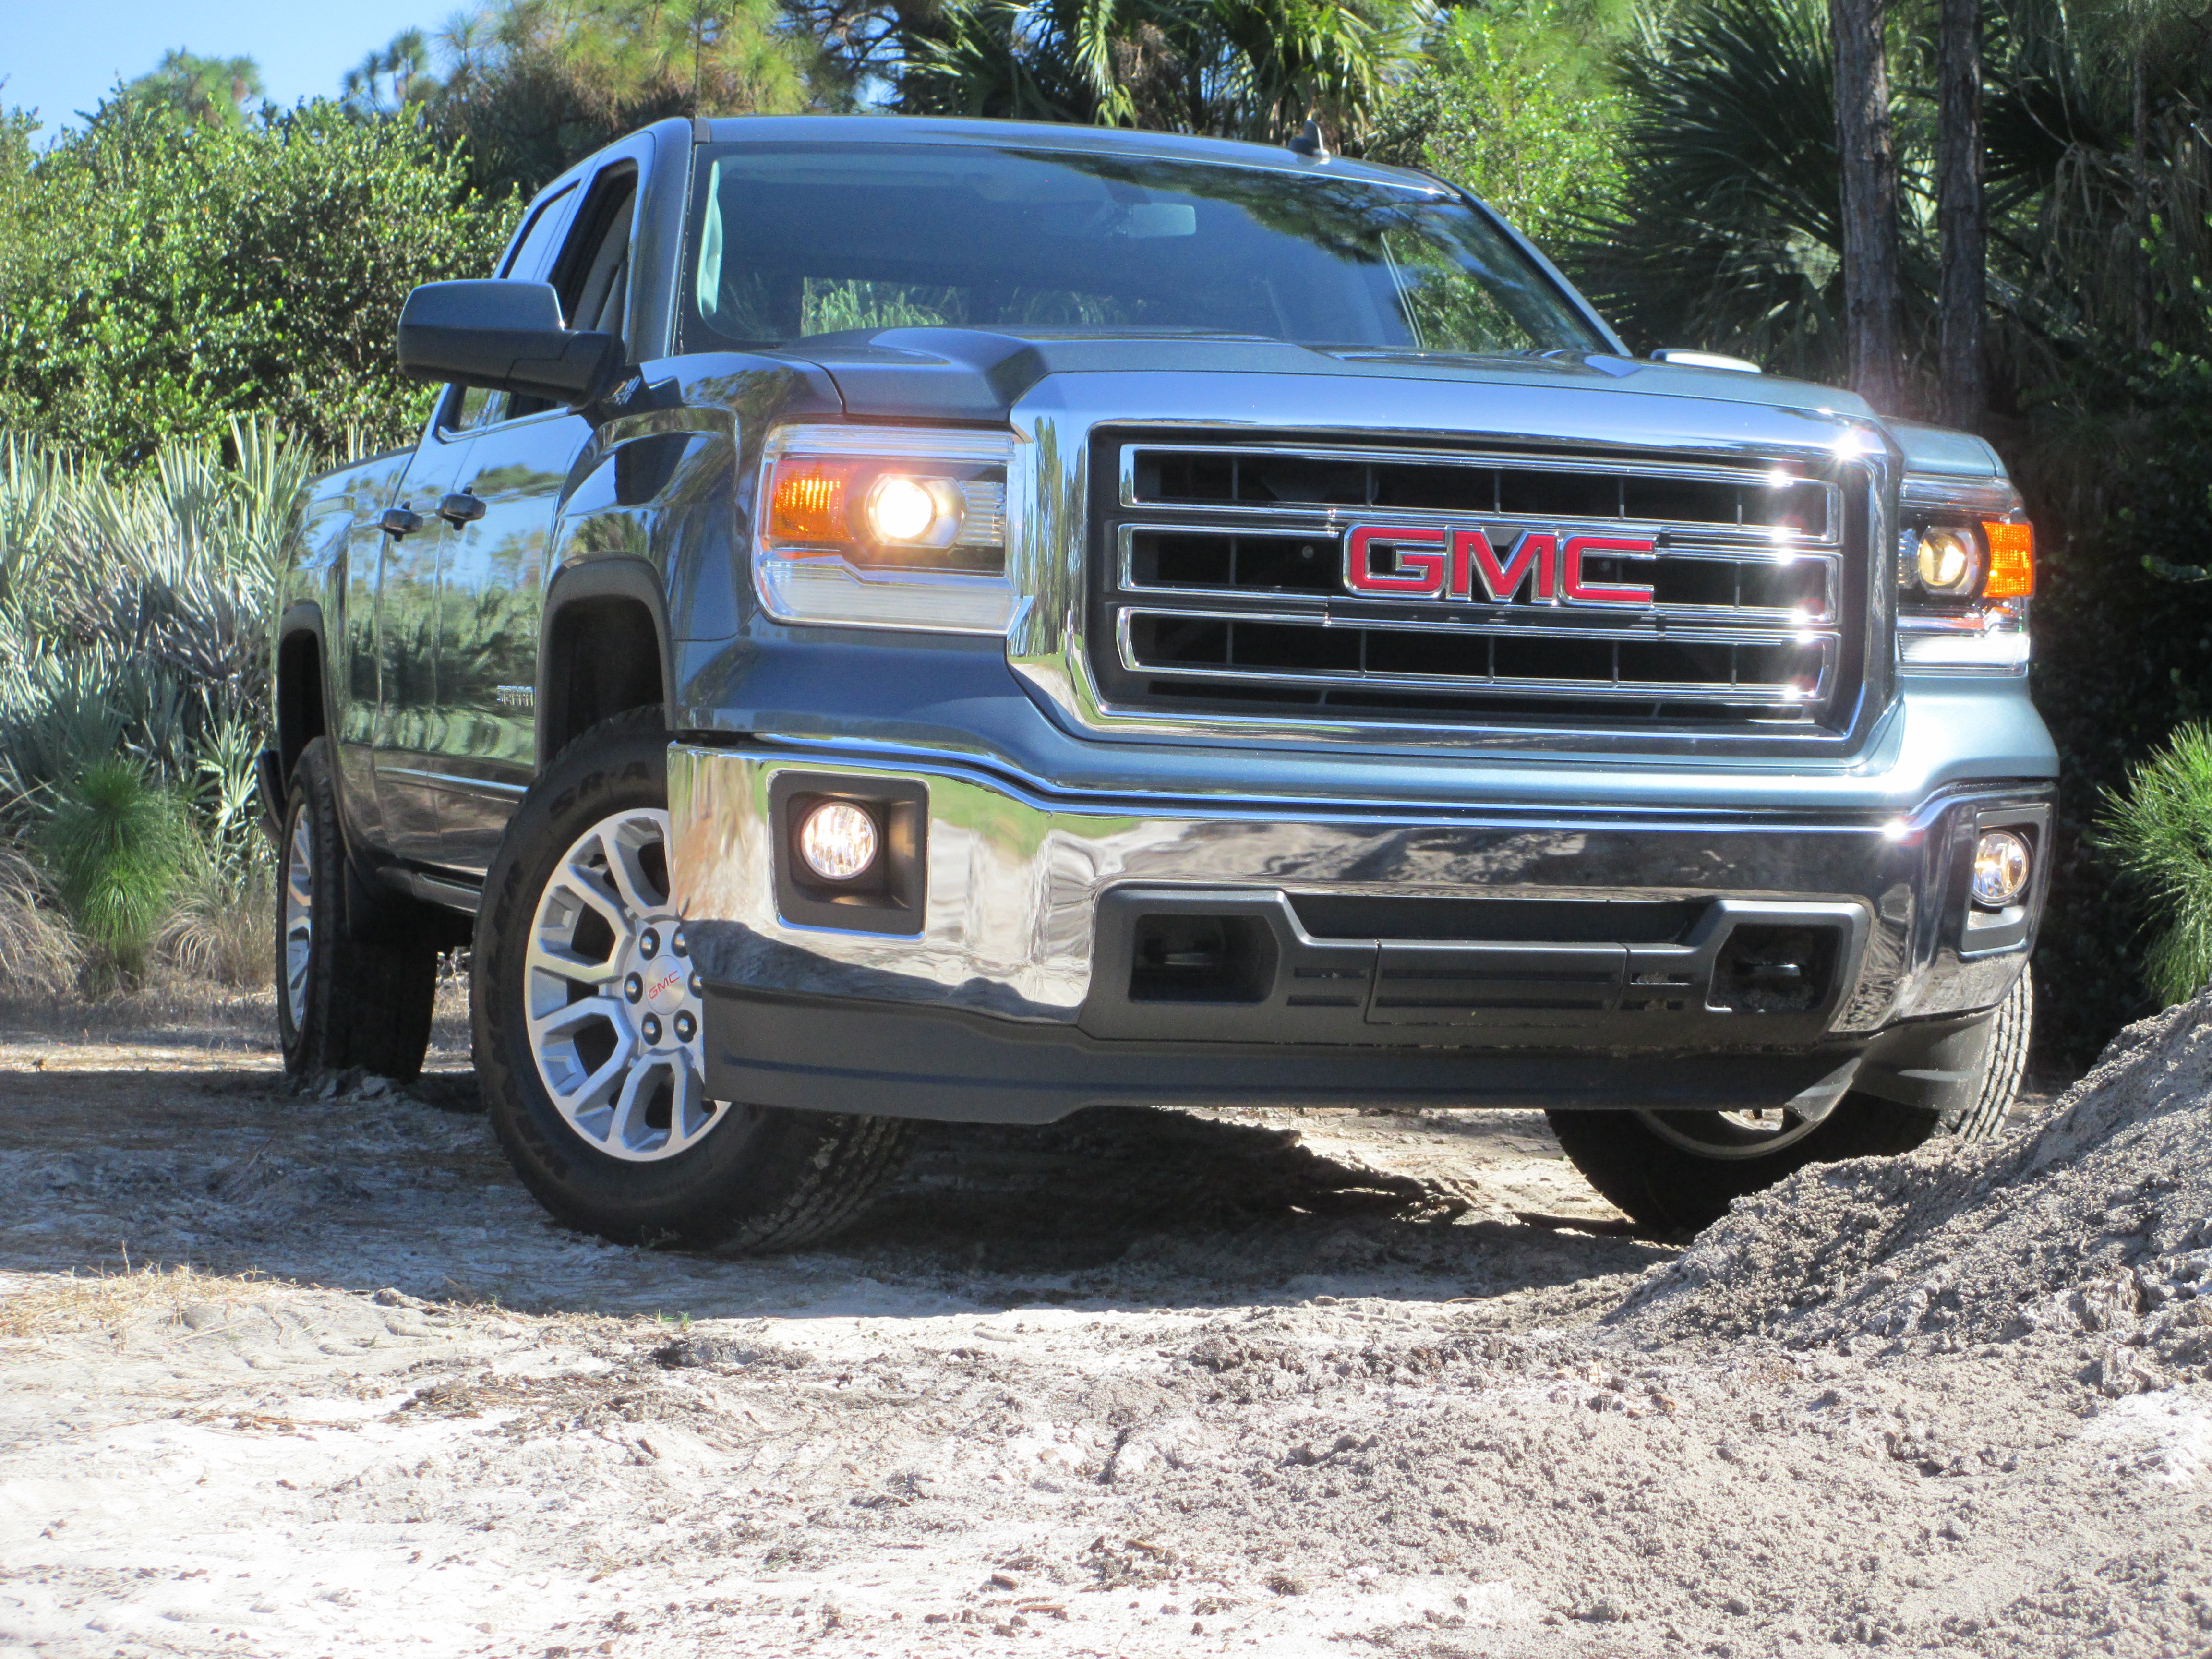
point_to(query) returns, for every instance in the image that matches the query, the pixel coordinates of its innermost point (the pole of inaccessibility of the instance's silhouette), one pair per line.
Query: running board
(434, 890)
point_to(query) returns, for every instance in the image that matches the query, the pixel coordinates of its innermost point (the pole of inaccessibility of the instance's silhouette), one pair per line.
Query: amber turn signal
(808, 502)
(2011, 559)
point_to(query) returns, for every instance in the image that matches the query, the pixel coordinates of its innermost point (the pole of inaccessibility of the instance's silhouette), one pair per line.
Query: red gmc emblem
(1425, 561)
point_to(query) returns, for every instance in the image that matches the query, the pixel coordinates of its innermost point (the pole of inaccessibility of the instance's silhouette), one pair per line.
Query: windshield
(791, 242)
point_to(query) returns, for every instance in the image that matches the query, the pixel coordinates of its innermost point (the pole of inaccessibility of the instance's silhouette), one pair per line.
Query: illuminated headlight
(2001, 867)
(838, 841)
(884, 527)
(1947, 560)
(1964, 583)
(1976, 559)
(925, 511)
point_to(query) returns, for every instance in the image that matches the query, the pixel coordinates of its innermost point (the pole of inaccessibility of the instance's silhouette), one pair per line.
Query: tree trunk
(1874, 305)
(1960, 216)
(2139, 193)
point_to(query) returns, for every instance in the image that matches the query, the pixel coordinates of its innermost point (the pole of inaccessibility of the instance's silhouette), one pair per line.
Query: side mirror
(507, 336)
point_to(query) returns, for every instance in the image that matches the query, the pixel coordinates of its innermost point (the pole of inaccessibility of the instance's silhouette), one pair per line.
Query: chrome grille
(1223, 582)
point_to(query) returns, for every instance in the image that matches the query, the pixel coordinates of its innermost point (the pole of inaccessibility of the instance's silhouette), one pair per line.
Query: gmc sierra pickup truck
(897, 619)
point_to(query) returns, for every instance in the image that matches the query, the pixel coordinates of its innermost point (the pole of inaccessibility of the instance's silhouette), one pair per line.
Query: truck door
(407, 737)
(411, 739)
(495, 568)
(371, 487)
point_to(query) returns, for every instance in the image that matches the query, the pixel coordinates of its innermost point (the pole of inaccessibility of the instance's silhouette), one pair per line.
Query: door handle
(398, 521)
(458, 510)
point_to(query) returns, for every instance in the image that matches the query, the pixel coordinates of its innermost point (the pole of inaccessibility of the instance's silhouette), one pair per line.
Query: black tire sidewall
(311, 796)
(742, 1167)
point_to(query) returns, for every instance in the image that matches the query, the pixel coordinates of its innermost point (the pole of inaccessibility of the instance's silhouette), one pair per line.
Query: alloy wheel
(610, 997)
(1755, 1132)
(299, 918)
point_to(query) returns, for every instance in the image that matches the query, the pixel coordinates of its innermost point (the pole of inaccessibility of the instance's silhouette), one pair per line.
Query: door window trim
(558, 205)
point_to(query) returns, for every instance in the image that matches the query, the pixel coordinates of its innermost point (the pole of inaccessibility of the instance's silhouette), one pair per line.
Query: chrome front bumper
(1021, 924)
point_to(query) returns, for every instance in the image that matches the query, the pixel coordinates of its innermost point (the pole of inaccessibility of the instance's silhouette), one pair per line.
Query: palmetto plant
(1245, 71)
(2100, 199)
(134, 623)
(1728, 231)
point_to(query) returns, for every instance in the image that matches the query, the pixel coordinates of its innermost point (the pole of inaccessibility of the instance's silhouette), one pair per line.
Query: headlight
(1963, 587)
(1947, 560)
(884, 527)
(914, 512)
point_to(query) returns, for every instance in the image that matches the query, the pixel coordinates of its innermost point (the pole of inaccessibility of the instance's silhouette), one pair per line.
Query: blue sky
(61, 55)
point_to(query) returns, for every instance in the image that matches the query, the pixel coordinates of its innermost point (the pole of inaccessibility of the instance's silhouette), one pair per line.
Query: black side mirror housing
(507, 336)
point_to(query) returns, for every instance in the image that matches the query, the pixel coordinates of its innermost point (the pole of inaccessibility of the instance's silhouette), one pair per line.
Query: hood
(978, 374)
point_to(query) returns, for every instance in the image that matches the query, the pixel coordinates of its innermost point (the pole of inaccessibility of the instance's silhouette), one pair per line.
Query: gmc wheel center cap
(657, 986)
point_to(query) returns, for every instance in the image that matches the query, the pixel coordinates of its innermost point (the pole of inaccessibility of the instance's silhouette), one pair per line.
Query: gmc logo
(1415, 561)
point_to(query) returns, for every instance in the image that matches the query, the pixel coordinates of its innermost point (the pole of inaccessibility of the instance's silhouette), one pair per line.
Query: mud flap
(1935, 1066)
(268, 781)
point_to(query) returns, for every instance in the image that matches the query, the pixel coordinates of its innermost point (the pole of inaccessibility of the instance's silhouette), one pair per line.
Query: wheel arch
(602, 649)
(302, 690)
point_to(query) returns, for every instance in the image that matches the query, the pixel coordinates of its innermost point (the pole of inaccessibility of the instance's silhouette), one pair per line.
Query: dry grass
(46, 1305)
(223, 930)
(42, 954)
(170, 1006)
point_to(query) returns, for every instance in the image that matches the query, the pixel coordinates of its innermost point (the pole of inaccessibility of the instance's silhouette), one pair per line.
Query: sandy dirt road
(1143, 1384)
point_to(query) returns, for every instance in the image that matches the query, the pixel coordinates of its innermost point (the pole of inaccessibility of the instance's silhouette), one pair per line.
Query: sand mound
(2099, 1222)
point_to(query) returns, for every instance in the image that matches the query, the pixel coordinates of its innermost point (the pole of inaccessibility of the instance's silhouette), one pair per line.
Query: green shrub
(119, 848)
(160, 275)
(1519, 105)
(2159, 831)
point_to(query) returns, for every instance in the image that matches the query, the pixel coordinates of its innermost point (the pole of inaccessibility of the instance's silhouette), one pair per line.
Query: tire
(341, 1002)
(589, 1035)
(1650, 1166)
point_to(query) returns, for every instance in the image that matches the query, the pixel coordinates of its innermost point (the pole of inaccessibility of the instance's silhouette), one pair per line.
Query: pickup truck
(929, 619)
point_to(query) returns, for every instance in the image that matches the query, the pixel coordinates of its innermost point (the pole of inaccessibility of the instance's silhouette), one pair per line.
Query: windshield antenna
(1308, 141)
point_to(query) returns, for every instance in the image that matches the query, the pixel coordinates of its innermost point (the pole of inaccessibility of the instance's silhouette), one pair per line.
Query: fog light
(837, 840)
(1999, 869)
(1946, 561)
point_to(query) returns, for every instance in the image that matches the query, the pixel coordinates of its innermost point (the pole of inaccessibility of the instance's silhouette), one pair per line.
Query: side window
(592, 273)
(472, 406)
(534, 253)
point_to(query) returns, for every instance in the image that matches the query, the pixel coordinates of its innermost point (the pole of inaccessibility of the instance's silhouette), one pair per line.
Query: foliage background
(161, 274)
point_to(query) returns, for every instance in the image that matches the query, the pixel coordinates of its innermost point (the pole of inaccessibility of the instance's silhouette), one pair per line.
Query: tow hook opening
(1201, 958)
(1774, 970)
